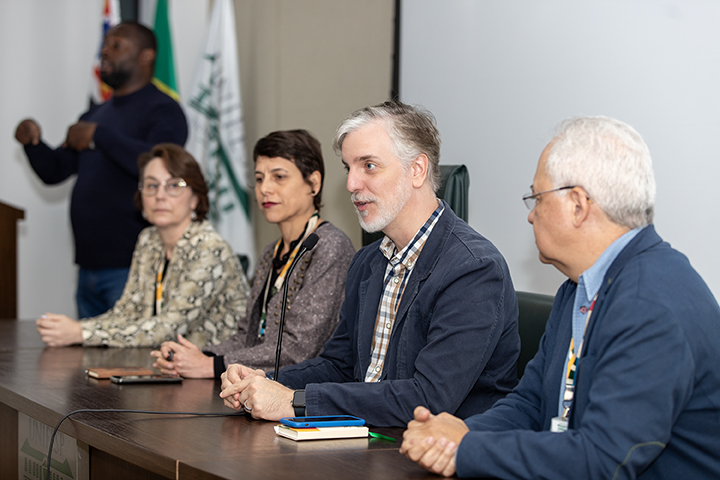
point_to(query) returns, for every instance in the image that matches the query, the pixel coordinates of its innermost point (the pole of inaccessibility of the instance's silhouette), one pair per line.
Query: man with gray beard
(430, 313)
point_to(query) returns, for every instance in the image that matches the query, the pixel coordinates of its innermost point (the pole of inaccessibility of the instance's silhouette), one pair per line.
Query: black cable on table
(122, 410)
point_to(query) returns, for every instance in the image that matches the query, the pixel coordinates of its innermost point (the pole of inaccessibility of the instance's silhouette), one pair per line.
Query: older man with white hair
(626, 381)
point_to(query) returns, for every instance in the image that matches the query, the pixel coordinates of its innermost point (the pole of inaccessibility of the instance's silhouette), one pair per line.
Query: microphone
(306, 246)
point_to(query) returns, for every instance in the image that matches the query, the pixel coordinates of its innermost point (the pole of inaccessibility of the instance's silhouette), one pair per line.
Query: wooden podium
(8, 259)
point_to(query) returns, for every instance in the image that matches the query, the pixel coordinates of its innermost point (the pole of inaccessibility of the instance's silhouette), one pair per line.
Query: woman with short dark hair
(289, 174)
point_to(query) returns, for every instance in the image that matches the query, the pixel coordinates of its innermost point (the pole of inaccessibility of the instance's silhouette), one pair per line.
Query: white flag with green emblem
(217, 136)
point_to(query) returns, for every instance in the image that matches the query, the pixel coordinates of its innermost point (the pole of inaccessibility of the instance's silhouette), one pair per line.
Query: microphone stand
(307, 245)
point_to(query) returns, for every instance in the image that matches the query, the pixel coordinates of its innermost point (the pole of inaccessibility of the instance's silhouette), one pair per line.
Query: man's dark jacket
(454, 344)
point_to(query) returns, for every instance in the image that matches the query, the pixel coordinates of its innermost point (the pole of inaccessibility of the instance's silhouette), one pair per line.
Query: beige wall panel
(308, 64)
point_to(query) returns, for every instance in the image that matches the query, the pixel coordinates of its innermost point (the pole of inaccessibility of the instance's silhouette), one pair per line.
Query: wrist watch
(298, 403)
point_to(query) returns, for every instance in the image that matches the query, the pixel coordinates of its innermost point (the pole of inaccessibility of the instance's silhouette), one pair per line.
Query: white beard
(387, 210)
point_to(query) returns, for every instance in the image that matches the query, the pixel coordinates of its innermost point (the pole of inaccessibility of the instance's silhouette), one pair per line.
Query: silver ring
(247, 409)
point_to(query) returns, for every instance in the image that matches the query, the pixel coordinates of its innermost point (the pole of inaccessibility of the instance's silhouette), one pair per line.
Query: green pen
(382, 437)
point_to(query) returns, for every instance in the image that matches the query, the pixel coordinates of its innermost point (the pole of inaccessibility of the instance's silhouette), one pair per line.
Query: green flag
(164, 64)
(217, 134)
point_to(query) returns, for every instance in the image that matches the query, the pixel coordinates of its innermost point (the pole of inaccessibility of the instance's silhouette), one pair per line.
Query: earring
(144, 215)
(312, 193)
(193, 215)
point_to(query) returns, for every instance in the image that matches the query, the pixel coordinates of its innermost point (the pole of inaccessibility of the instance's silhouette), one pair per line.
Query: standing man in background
(102, 148)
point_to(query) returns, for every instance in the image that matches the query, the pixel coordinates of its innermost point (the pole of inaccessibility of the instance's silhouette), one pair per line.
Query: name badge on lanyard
(560, 424)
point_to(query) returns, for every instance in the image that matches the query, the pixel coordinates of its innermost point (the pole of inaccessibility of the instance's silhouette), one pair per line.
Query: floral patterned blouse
(204, 294)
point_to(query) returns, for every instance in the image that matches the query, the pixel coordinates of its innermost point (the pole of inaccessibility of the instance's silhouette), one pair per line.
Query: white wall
(500, 75)
(46, 53)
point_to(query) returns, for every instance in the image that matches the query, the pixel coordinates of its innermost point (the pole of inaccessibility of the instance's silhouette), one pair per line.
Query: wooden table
(47, 383)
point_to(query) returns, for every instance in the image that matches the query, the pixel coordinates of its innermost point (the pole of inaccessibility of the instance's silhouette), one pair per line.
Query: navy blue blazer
(647, 397)
(454, 344)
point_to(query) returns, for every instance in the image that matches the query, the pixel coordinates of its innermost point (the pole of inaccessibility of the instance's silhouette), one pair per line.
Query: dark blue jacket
(454, 345)
(647, 398)
(105, 220)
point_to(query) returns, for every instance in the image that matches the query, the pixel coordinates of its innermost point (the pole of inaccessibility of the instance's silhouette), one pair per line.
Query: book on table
(321, 433)
(103, 372)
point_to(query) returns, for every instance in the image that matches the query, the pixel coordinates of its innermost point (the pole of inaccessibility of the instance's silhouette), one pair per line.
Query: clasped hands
(432, 440)
(243, 387)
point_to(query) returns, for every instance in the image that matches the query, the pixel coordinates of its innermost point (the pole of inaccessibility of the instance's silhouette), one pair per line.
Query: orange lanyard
(159, 287)
(311, 226)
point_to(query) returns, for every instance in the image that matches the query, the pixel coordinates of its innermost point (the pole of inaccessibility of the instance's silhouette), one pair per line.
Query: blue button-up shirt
(589, 284)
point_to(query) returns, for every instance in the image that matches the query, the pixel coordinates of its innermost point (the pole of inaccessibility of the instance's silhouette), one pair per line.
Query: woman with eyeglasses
(184, 279)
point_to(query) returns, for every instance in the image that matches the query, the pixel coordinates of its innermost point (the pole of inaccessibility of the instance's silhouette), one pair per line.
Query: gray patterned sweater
(315, 294)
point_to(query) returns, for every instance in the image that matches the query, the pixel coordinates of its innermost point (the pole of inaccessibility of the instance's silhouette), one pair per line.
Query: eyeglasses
(531, 198)
(173, 187)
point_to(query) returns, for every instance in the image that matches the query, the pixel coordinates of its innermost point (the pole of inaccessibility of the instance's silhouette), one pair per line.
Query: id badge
(558, 424)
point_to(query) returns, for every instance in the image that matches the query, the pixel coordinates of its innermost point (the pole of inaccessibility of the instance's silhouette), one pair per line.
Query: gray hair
(412, 130)
(610, 160)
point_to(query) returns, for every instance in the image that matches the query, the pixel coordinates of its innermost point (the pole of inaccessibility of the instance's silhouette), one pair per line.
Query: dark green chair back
(454, 188)
(534, 313)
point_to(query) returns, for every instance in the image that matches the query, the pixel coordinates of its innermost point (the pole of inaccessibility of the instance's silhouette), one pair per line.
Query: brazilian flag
(164, 64)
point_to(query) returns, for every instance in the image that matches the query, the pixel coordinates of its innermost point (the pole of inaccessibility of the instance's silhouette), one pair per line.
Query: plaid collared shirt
(397, 272)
